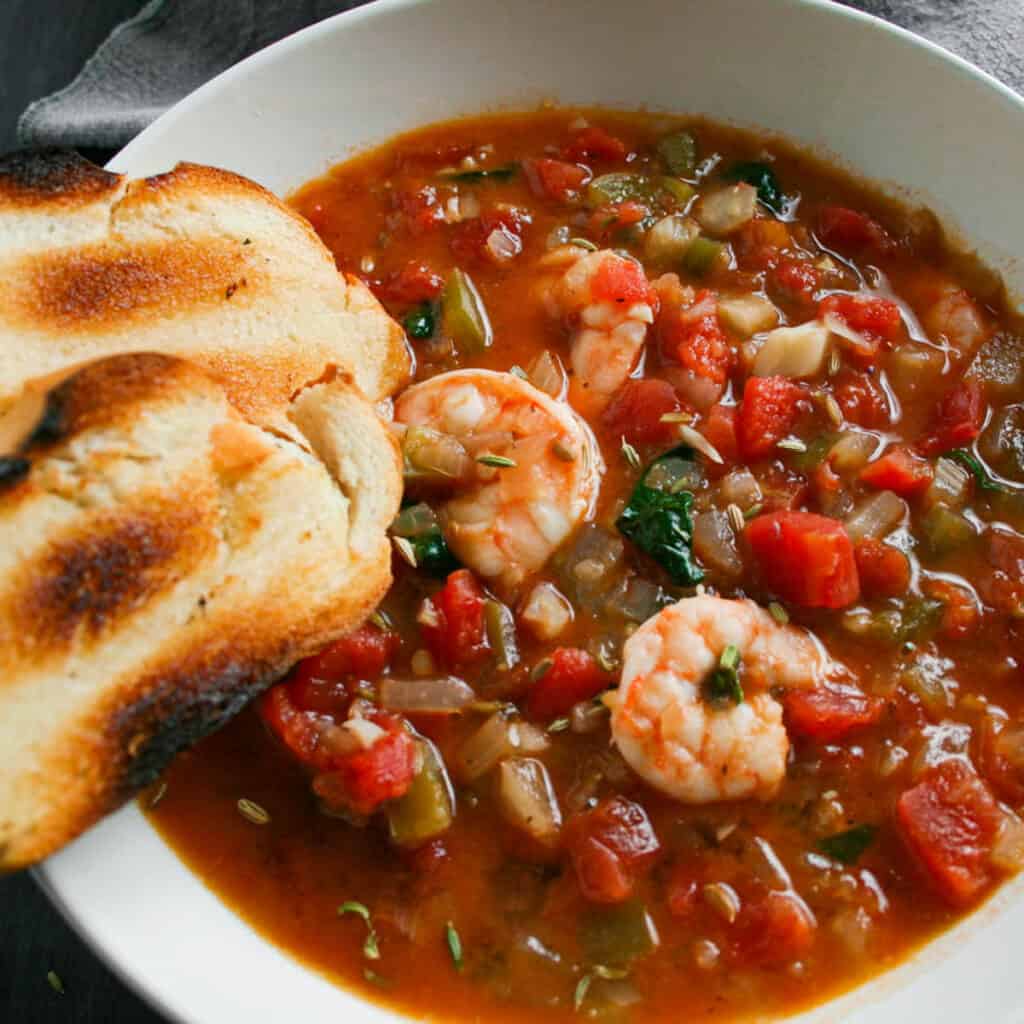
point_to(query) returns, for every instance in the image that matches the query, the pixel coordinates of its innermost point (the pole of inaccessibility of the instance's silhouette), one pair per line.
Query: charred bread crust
(52, 176)
(162, 561)
(196, 262)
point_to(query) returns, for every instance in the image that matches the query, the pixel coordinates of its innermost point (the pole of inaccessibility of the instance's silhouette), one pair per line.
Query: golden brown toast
(162, 559)
(198, 262)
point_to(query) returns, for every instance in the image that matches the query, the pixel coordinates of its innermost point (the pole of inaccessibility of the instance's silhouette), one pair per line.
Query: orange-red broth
(519, 915)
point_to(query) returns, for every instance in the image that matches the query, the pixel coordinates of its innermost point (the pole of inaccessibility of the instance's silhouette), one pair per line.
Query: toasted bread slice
(162, 559)
(198, 263)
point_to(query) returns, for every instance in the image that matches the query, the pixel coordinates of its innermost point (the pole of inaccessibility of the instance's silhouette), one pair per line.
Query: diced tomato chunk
(415, 282)
(775, 929)
(847, 230)
(871, 315)
(365, 779)
(884, 571)
(957, 419)
(606, 221)
(611, 847)
(766, 415)
(555, 179)
(719, 427)
(621, 281)
(826, 714)
(636, 409)
(863, 402)
(960, 612)
(795, 278)
(457, 636)
(949, 822)
(574, 675)
(805, 558)
(363, 653)
(692, 336)
(594, 143)
(899, 470)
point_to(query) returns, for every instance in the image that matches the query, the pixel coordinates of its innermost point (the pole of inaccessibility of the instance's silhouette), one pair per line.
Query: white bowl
(878, 99)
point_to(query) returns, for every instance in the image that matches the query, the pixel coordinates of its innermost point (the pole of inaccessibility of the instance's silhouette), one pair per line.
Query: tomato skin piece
(420, 210)
(363, 653)
(636, 409)
(555, 179)
(805, 558)
(957, 419)
(899, 470)
(468, 242)
(773, 930)
(766, 414)
(574, 676)
(459, 636)
(759, 243)
(297, 730)
(949, 822)
(364, 780)
(884, 571)
(621, 281)
(847, 230)
(719, 427)
(826, 714)
(682, 891)
(594, 143)
(611, 846)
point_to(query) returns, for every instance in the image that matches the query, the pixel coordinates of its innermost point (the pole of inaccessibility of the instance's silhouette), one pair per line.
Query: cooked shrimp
(673, 736)
(506, 520)
(607, 303)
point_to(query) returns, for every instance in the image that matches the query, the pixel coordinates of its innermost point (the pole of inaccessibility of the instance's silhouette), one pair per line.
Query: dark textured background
(43, 44)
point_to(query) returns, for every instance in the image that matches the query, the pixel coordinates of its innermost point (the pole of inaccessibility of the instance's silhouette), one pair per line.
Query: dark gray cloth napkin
(172, 46)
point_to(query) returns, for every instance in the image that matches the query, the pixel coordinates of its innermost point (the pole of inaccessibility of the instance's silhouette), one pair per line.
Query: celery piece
(679, 151)
(617, 935)
(612, 189)
(679, 191)
(702, 256)
(945, 530)
(427, 809)
(463, 315)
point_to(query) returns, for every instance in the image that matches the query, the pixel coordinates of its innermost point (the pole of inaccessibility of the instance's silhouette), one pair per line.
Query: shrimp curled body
(507, 521)
(673, 737)
(608, 304)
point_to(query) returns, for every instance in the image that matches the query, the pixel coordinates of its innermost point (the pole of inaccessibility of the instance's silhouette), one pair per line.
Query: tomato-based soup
(699, 687)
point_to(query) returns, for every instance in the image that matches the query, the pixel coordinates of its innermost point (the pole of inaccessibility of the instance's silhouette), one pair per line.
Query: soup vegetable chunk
(699, 687)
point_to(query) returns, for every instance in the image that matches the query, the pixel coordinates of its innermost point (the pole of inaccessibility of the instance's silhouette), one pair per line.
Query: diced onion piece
(429, 454)
(497, 738)
(852, 926)
(854, 339)
(740, 487)
(714, 543)
(726, 210)
(1008, 849)
(444, 696)
(793, 351)
(914, 369)
(532, 738)
(547, 611)
(950, 486)
(669, 238)
(747, 314)
(636, 599)
(930, 687)
(852, 451)
(547, 373)
(527, 799)
(876, 516)
(356, 734)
